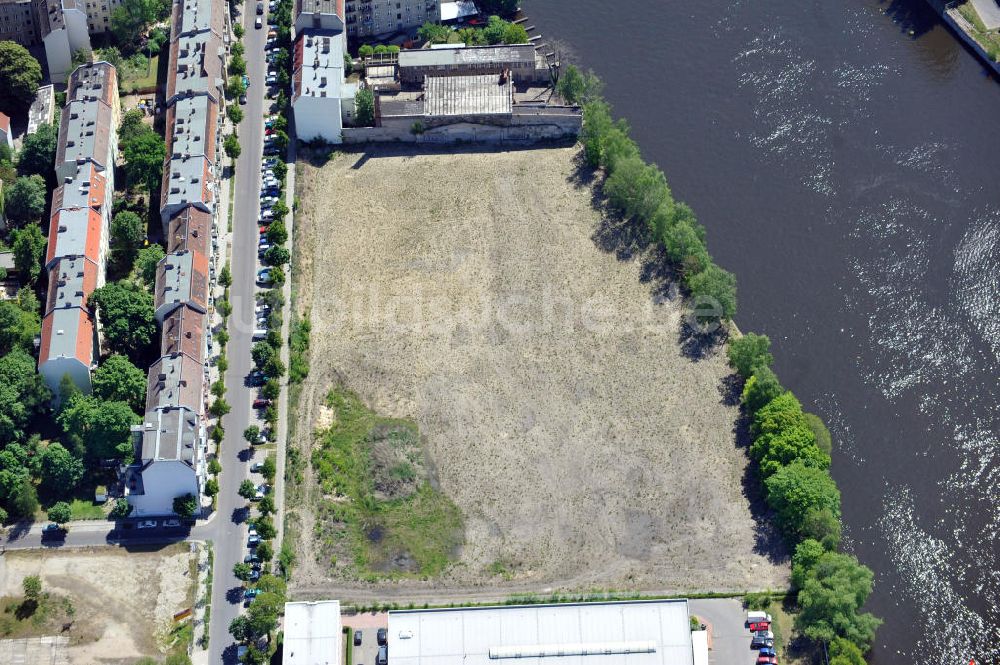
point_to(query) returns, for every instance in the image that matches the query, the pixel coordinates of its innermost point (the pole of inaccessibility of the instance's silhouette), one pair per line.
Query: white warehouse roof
(312, 634)
(622, 633)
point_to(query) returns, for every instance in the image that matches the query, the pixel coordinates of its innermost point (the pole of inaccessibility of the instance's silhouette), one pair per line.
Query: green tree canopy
(38, 153)
(186, 505)
(60, 512)
(98, 428)
(242, 571)
(807, 553)
(761, 388)
(146, 261)
(636, 189)
(782, 436)
(28, 245)
(823, 525)
(133, 126)
(130, 18)
(277, 234)
(364, 108)
(231, 144)
(17, 493)
(831, 598)
(822, 434)
(127, 320)
(577, 87)
(277, 256)
(845, 652)
(117, 379)
(713, 289)
(685, 248)
(24, 200)
(61, 470)
(749, 352)
(144, 155)
(20, 74)
(23, 395)
(18, 327)
(796, 489)
(128, 233)
(247, 489)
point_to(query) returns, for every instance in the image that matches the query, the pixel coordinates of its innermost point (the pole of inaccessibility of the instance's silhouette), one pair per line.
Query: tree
(366, 50)
(807, 553)
(32, 585)
(831, 597)
(247, 489)
(266, 505)
(235, 113)
(23, 395)
(685, 249)
(514, 33)
(133, 126)
(795, 490)
(277, 277)
(237, 65)
(781, 435)
(636, 189)
(265, 551)
(128, 233)
(271, 389)
(715, 286)
(238, 30)
(122, 509)
(265, 527)
(61, 470)
(239, 628)
(749, 352)
(364, 107)
(117, 379)
(435, 33)
(60, 512)
(126, 314)
(276, 255)
(28, 245)
(761, 388)
(845, 652)
(186, 505)
(231, 144)
(226, 276)
(277, 234)
(130, 19)
(98, 428)
(822, 434)
(822, 525)
(211, 487)
(146, 261)
(597, 124)
(18, 326)
(269, 468)
(242, 571)
(251, 434)
(18, 494)
(214, 466)
(24, 199)
(219, 407)
(578, 88)
(38, 153)
(144, 160)
(273, 584)
(20, 74)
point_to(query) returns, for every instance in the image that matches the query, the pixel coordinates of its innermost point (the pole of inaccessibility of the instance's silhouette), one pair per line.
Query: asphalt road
(230, 527)
(730, 639)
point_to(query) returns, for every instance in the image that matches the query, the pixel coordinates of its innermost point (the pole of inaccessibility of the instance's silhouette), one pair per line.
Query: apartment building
(368, 18)
(79, 225)
(171, 442)
(19, 22)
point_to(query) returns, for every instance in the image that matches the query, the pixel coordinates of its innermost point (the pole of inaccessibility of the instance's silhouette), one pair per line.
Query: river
(845, 158)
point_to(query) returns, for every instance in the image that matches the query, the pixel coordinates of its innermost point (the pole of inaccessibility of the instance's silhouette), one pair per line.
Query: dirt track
(466, 291)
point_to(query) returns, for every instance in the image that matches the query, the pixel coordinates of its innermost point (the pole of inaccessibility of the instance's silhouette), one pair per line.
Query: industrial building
(171, 443)
(655, 632)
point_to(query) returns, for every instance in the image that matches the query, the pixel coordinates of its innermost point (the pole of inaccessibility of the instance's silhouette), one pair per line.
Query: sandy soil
(125, 601)
(467, 292)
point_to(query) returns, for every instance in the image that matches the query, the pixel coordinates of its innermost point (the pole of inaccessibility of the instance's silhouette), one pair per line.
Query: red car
(767, 660)
(261, 403)
(760, 625)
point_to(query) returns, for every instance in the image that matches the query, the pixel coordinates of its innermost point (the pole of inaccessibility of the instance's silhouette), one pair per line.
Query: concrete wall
(962, 28)
(461, 132)
(318, 117)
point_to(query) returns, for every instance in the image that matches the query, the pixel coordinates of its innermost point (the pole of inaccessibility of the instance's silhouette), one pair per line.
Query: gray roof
(467, 95)
(198, 16)
(43, 109)
(176, 381)
(181, 279)
(85, 133)
(185, 181)
(623, 633)
(198, 66)
(322, 71)
(194, 127)
(466, 55)
(93, 81)
(67, 328)
(73, 232)
(169, 435)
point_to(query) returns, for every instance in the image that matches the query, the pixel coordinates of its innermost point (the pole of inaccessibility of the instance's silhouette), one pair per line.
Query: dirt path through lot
(467, 292)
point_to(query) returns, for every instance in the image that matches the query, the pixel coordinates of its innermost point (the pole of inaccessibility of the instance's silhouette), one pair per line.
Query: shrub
(749, 352)
(636, 189)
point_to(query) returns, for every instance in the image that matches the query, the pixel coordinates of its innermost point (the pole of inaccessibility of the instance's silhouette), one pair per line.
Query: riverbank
(965, 19)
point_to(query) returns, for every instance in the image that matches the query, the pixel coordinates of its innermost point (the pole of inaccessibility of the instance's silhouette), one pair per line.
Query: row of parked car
(762, 638)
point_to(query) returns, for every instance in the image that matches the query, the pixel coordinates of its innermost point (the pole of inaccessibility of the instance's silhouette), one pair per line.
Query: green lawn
(990, 40)
(88, 510)
(379, 507)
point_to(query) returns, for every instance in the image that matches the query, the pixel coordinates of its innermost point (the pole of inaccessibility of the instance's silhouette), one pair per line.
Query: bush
(231, 144)
(364, 108)
(636, 189)
(186, 505)
(760, 388)
(795, 490)
(121, 509)
(714, 292)
(757, 601)
(749, 352)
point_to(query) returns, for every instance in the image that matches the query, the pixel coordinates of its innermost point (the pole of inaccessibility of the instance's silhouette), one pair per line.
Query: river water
(845, 158)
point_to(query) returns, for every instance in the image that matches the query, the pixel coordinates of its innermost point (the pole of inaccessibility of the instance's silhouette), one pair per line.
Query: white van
(260, 333)
(757, 617)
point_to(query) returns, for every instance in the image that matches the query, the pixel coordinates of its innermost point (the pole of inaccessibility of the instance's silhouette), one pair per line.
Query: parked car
(146, 524)
(357, 638)
(246, 81)
(254, 574)
(382, 658)
(260, 8)
(762, 639)
(271, 80)
(252, 559)
(755, 616)
(253, 541)
(380, 636)
(256, 467)
(767, 660)
(264, 276)
(53, 531)
(256, 378)
(261, 403)
(243, 99)
(768, 651)
(759, 626)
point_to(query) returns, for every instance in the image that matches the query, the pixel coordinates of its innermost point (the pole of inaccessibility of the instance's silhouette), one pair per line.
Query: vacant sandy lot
(124, 601)
(466, 291)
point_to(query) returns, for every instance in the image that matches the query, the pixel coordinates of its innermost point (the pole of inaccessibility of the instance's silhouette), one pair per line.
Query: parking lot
(368, 623)
(729, 639)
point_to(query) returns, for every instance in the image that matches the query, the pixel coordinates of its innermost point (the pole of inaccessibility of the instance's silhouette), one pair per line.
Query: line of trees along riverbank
(791, 448)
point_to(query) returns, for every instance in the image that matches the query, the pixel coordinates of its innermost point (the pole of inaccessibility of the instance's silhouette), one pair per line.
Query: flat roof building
(43, 110)
(312, 633)
(614, 633)
(318, 94)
